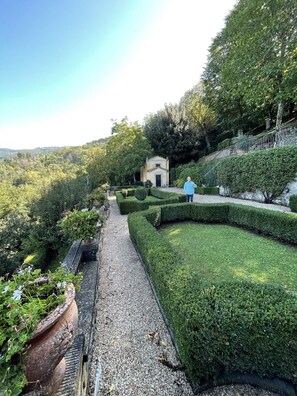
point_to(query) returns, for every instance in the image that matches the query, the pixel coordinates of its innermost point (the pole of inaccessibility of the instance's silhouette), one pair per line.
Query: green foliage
(126, 151)
(201, 118)
(14, 229)
(268, 171)
(80, 224)
(161, 194)
(162, 198)
(127, 192)
(140, 193)
(251, 70)
(201, 174)
(225, 143)
(25, 299)
(217, 325)
(170, 135)
(293, 203)
(148, 184)
(207, 190)
(97, 197)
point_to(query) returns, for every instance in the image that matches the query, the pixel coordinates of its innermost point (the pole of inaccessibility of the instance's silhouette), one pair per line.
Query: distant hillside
(5, 153)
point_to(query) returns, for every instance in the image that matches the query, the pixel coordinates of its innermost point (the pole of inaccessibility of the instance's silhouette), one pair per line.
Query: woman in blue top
(189, 188)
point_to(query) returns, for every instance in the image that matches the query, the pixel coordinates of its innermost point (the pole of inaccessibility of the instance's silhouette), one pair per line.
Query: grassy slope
(223, 252)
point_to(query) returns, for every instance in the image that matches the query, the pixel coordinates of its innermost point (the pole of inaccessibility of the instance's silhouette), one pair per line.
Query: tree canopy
(252, 65)
(170, 134)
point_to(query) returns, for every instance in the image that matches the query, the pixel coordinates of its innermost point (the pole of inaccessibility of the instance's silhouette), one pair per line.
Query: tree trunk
(207, 140)
(279, 115)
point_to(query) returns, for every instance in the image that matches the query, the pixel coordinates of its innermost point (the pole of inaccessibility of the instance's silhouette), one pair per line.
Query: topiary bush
(148, 184)
(140, 194)
(293, 203)
(221, 329)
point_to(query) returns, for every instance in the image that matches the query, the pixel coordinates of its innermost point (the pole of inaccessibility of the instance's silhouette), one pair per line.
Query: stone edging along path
(132, 350)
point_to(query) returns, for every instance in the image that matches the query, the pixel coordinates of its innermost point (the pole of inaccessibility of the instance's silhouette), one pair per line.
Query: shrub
(164, 198)
(80, 224)
(293, 203)
(27, 297)
(200, 173)
(216, 326)
(129, 206)
(96, 198)
(268, 171)
(225, 143)
(207, 190)
(148, 184)
(155, 192)
(140, 194)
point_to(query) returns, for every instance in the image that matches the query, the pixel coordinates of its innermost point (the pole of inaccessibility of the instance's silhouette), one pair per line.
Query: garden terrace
(128, 203)
(222, 328)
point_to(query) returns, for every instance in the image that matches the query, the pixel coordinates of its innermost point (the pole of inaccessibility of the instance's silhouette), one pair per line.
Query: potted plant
(81, 224)
(31, 304)
(97, 198)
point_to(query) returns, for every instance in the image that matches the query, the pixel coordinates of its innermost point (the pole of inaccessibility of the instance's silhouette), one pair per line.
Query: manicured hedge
(128, 192)
(268, 171)
(207, 190)
(164, 198)
(165, 195)
(293, 203)
(223, 327)
(141, 193)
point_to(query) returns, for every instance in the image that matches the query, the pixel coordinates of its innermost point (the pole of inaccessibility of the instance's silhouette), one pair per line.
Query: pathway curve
(221, 199)
(131, 336)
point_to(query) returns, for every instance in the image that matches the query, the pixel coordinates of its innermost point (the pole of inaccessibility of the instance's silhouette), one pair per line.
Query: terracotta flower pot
(45, 363)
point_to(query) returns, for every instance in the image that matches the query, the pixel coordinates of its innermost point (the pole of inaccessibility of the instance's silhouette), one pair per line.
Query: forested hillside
(34, 192)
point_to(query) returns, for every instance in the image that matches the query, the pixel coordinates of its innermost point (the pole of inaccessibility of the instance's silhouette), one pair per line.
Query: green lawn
(147, 199)
(223, 252)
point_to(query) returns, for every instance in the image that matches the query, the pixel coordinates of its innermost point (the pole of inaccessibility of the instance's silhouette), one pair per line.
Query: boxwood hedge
(207, 190)
(224, 328)
(164, 198)
(293, 203)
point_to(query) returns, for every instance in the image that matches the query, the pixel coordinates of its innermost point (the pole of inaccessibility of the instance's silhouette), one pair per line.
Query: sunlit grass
(223, 252)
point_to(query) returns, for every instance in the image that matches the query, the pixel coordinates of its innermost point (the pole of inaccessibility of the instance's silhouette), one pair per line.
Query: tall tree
(170, 135)
(253, 61)
(126, 151)
(201, 118)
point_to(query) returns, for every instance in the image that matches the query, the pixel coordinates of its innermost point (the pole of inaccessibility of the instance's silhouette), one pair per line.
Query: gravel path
(221, 199)
(131, 337)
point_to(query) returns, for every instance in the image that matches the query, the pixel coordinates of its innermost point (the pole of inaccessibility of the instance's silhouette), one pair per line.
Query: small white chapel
(156, 169)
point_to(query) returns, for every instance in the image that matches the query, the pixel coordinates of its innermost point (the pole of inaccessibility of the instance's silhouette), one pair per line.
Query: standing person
(189, 188)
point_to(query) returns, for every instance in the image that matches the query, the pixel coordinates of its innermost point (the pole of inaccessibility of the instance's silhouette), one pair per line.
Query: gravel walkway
(131, 338)
(221, 199)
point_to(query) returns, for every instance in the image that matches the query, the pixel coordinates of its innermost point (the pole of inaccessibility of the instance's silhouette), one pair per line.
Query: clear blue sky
(68, 66)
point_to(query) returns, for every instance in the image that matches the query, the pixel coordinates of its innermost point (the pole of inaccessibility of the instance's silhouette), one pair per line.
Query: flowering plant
(81, 224)
(97, 197)
(25, 299)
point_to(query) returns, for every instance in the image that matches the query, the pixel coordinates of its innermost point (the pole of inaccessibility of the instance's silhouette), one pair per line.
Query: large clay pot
(45, 363)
